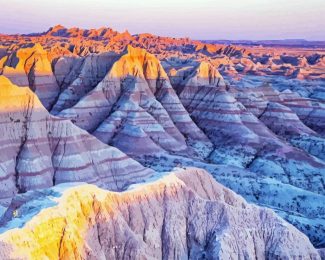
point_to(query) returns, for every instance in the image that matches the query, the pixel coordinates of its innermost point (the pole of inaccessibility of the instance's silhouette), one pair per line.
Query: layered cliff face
(288, 115)
(185, 214)
(136, 109)
(285, 123)
(39, 150)
(77, 76)
(126, 100)
(311, 112)
(189, 116)
(31, 67)
(300, 63)
(255, 134)
(242, 139)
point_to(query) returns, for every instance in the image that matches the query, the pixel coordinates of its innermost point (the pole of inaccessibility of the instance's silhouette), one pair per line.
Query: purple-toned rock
(285, 123)
(136, 109)
(184, 215)
(39, 150)
(241, 139)
(31, 67)
(311, 112)
(78, 76)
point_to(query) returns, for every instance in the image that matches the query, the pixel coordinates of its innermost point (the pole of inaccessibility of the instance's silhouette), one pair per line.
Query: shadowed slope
(77, 76)
(31, 67)
(242, 139)
(134, 107)
(39, 150)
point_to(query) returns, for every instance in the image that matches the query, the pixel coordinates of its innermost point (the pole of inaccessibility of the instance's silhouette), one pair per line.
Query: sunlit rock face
(136, 109)
(256, 110)
(39, 150)
(185, 214)
(204, 74)
(302, 62)
(31, 67)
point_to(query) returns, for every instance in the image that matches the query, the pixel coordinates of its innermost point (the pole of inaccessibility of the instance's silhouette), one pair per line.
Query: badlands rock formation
(39, 150)
(310, 111)
(136, 109)
(285, 123)
(76, 76)
(302, 63)
(31, 67)
(184, 215)
(299, 120)
(231, 127)
(252, 116)
(244, 135)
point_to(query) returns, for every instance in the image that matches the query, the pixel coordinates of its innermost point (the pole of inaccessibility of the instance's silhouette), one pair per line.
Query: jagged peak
(76, 32)
(56, 28)
(205, 74)
(23, 59)
(277, 106)
(134, 51)
(137, 62)
(5, 83)
(31, 48)
(14, 98)
(206, 69)
(126, 33)
(26, 51)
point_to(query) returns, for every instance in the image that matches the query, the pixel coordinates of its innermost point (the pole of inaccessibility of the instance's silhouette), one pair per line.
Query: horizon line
(133, 34)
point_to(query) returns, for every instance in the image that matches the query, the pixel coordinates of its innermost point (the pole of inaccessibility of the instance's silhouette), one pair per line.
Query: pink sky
(198, 19)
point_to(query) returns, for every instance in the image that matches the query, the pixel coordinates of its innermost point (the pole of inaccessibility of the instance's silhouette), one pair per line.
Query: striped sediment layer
(39, 150)
(183, 215)
(135, 106)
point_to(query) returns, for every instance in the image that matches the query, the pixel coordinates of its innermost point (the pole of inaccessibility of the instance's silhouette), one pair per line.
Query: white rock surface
(184, 215)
